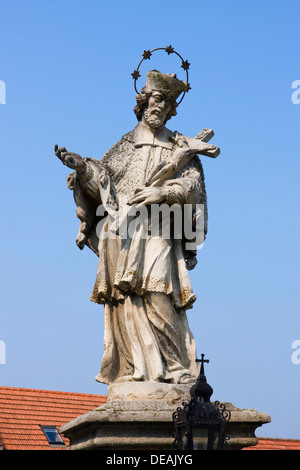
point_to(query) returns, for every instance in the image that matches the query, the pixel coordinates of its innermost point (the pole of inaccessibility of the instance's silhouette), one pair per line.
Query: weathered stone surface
(148, 391)
(142, 277)
(125, 423)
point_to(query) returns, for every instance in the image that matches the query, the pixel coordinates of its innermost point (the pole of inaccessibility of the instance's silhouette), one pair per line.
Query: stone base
(138, 416)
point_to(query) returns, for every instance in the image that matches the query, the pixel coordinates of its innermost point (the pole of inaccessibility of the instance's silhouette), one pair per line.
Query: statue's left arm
(182, 189)
(185, 188)
(189, 188)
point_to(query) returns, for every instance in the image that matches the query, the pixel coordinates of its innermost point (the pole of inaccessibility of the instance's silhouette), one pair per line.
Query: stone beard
(143, 282)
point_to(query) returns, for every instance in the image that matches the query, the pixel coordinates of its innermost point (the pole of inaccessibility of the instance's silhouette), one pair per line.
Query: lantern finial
(201, 391)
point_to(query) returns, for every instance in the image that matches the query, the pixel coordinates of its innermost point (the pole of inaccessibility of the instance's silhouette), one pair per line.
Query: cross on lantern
(200, 424)
(202, 360)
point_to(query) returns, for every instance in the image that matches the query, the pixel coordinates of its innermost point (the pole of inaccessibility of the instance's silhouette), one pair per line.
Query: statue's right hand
(70, 159)
(59, 151)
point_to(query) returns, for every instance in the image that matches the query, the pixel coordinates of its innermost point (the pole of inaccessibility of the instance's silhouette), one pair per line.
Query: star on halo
(169, 50)
(136, 74)
(147, 54)
(185, 65)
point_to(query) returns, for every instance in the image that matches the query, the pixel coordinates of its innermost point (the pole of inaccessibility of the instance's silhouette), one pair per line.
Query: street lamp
(200, 423)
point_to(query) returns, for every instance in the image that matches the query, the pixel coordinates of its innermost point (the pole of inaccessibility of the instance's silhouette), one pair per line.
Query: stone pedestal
(138, 416)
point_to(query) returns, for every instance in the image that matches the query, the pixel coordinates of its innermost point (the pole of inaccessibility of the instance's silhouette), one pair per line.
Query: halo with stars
(169, 50)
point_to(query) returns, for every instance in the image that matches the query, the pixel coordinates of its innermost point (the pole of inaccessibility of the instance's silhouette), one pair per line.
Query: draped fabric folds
(142, 280)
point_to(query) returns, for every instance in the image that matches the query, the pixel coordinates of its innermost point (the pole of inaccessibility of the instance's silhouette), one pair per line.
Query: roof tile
(23, 410)
(267, 443)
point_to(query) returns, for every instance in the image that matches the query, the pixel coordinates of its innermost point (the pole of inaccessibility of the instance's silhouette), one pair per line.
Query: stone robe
(142, 281)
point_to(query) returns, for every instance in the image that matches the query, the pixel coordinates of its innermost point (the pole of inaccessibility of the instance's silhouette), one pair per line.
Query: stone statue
(143, 281)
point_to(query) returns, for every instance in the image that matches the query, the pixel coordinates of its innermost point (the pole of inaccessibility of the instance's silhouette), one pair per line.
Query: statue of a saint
(143, 281)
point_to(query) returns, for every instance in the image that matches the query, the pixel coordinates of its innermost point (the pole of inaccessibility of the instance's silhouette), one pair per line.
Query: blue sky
(67, 69)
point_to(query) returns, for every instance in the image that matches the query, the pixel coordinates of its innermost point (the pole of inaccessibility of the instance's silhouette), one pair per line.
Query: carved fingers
(58, 151)
(146, 196)
(70, 159)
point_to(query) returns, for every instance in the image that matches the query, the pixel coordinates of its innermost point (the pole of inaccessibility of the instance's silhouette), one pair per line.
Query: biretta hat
(167, 83)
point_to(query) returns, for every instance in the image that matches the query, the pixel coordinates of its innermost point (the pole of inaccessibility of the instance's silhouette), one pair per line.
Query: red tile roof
(267, 443)
(22, 411)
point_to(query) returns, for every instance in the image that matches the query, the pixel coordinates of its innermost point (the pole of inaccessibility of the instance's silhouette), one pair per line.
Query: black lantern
(200, 424)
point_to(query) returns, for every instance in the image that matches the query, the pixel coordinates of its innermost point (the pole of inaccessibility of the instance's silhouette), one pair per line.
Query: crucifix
(202, 361)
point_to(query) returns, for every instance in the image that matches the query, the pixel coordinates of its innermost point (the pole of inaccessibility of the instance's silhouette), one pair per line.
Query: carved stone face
(157, 110)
